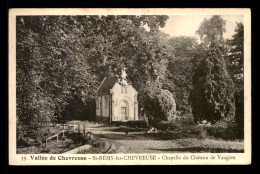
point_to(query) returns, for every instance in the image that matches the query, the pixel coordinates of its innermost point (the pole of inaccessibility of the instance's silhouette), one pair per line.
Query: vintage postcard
(130, 86)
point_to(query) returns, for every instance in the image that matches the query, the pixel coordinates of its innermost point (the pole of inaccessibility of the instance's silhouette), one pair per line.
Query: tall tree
(235, 57)
(211, 31)
(184, 55)
(54, 64)
(235, 60)
(212, 97)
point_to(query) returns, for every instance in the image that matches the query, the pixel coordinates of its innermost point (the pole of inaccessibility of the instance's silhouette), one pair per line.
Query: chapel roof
(107, 84)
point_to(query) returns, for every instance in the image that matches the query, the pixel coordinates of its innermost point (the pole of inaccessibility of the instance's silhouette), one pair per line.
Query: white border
(241, 158)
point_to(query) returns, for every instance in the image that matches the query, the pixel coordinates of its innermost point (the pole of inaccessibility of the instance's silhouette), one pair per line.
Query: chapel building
(116, 101)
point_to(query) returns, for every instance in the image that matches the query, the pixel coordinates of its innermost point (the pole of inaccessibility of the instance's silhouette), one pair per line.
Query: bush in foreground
(160, 107)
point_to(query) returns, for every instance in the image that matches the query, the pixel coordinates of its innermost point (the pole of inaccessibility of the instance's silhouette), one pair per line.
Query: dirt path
(139, 142)
(135, 142)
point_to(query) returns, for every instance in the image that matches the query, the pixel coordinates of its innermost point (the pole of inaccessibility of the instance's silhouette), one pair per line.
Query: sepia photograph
(125, 83)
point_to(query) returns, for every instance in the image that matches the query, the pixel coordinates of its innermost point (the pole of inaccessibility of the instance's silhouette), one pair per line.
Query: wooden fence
(77, 127)
(53, 136)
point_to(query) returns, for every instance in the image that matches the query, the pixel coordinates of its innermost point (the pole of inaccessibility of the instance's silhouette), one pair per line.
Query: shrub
(160, 107)
(21, 131)
(164, 126)
(202, 131)
(185, 120)
(180, 123)
(119, 123)
(22, 143)
(239, 97)
(225, 129)
(137, 124)
(78, 138)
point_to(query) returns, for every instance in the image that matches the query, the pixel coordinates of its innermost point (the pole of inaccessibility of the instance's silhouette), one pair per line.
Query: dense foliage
(62, 59)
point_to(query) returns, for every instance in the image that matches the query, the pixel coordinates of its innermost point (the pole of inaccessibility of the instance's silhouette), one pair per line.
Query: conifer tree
(212, 97)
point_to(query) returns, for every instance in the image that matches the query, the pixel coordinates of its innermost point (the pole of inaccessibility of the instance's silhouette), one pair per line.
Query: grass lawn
(207, 145)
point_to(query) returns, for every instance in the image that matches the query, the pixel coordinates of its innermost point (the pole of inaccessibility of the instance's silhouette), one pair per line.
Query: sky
(187, 25)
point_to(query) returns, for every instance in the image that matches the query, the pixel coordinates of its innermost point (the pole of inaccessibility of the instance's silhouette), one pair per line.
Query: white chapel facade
(116, 102)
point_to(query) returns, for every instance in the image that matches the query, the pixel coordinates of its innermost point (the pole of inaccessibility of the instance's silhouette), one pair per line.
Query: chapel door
(123, 113)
